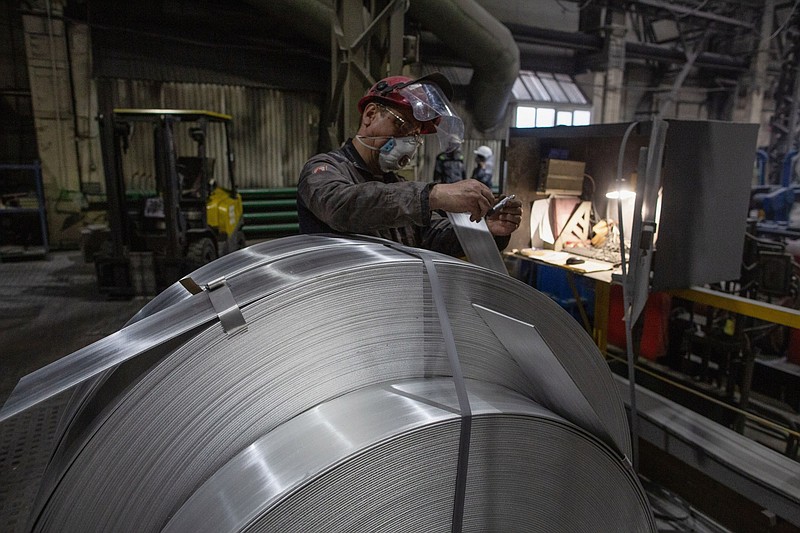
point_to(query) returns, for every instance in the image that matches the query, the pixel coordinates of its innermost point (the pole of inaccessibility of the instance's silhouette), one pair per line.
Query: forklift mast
(172, 222)
(167, 179)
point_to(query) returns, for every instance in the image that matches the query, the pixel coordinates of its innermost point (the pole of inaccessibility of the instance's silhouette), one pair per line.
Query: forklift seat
(190, 174)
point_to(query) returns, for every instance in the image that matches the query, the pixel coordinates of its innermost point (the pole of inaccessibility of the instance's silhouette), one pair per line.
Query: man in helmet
(355, 189)
(449, 167)
(483, 171)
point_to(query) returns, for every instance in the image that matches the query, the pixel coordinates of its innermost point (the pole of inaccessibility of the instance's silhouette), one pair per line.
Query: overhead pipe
(591, 43)
(309, 18)
(704, 60)
(586, 42)
(462, 25)
(479, 38)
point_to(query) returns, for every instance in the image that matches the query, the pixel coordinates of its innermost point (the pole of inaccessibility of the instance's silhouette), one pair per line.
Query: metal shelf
(15, 249)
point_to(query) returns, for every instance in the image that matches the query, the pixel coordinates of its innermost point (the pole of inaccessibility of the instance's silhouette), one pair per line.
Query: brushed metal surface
(326, 317)
(554, 386)
(477, 242)
(296, 457)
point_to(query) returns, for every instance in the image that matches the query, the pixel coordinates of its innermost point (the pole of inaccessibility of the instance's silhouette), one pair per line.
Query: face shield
(430, 105)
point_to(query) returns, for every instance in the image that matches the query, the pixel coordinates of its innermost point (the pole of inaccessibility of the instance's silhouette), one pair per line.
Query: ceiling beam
(694, 12)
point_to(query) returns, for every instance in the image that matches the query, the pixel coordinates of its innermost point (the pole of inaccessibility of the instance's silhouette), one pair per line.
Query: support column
(352, 62)
(761, 62)
(51, 95)
(87, 136)
(358, 58)
(615, 69)
(598, 98)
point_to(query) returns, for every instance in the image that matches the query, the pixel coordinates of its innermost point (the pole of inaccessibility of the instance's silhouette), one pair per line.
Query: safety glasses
(404, 127)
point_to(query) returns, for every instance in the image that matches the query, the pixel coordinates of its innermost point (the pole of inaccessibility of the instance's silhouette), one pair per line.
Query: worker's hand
(505, 221)
(465, 196)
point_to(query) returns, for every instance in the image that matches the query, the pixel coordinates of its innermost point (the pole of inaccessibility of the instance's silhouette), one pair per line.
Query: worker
(449, 167)
(356, 188)
(483, 170)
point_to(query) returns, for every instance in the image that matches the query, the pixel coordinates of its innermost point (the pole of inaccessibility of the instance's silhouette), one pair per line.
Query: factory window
(548, 87)
(545, 116)
(542, 117)
(546, 99)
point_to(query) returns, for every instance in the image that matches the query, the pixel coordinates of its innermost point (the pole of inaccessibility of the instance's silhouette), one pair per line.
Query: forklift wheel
(241, 241)
(200, 252)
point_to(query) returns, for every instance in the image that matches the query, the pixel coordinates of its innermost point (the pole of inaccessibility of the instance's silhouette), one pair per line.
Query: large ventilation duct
(311, 19)
(470, 31)
(463, 25)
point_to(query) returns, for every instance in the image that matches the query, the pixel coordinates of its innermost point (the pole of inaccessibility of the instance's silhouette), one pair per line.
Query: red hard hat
(387, 91)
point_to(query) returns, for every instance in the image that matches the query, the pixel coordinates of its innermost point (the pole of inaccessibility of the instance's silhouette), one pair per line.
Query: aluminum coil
(392, 468)
(175, 402)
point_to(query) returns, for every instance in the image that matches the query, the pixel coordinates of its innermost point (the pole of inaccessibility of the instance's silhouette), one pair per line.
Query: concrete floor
(48, 309)
(51, 308)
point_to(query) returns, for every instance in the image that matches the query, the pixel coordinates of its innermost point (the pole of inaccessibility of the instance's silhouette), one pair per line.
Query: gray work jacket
(338, 194)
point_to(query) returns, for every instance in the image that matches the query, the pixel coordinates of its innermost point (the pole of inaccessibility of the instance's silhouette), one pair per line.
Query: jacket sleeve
(441, 237)
(340, 197)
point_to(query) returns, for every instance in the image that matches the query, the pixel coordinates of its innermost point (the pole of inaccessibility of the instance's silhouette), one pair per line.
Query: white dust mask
(396, 153)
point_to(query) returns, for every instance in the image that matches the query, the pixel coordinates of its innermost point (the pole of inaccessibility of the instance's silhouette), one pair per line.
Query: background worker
(449, 167)
(483, 170)
(355, 189)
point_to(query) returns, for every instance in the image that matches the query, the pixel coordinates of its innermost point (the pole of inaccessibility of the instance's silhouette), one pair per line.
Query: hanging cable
(634, 416)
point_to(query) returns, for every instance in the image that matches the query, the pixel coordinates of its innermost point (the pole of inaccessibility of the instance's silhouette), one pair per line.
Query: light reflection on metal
(390, 417)
(477, 242)
(556, 384)
(345, 371)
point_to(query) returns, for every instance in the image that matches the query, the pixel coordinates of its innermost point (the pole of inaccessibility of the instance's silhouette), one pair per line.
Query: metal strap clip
(230, 316)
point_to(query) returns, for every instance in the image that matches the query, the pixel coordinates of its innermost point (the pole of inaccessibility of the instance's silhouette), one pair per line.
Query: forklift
(168, 217)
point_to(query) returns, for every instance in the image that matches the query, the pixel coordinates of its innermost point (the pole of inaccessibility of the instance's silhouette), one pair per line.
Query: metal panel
(706, 189)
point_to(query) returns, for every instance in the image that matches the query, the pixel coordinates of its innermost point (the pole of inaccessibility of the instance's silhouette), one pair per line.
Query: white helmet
(484, 151)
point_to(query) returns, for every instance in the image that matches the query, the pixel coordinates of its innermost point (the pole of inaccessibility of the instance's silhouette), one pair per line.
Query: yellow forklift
(167, 215)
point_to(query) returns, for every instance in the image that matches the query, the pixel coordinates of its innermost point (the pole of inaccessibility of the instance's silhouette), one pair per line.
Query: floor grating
(26, 442)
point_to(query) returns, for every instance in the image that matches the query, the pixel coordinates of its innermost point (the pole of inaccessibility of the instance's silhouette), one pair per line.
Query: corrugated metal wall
(273, 132)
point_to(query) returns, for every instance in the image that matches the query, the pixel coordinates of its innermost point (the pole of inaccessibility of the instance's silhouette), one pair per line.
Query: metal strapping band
(461, 393)
(230, 316)
(477, 242)
(458, 376)
(115, 349)
(123, 345)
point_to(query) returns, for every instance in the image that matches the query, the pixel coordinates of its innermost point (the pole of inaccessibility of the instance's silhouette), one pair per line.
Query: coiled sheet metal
(399, 445)
(338, 380)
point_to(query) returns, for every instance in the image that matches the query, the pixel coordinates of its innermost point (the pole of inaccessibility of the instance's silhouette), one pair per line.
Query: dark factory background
(693, 103)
